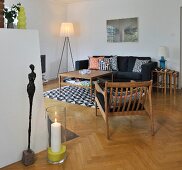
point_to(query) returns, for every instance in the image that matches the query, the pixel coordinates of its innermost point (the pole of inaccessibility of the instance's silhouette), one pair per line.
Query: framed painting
(122, 30)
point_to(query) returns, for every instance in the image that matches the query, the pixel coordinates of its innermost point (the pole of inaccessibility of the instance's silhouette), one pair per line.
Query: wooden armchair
(121, 99)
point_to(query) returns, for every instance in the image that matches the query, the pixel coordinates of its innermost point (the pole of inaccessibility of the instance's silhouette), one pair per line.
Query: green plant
(11, 14)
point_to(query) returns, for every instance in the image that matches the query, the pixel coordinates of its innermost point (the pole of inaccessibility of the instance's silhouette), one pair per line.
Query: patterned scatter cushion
(94, 62)
(114, 63)
(104, 65)
(138, 65)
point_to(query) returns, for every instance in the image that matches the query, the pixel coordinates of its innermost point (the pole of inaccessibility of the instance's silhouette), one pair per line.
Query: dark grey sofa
(125, 68)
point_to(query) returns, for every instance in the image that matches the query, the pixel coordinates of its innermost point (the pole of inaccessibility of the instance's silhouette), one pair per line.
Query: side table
(173, 80)
(165, 79)
(159, 79)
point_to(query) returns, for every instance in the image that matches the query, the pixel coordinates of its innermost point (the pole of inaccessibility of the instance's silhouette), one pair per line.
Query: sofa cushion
(104, 65)
(138, 65)
(122, 63)
(114, 63)
(131, 61)
(94, 63)
(128, 75)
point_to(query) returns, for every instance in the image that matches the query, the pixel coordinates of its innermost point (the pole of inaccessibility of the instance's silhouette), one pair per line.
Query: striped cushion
(104, 65)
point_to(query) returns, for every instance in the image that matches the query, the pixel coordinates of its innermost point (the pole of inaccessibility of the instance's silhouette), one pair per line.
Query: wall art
(122, 30)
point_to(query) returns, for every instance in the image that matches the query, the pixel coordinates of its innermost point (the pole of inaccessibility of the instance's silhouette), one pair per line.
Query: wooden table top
(164, 71)
(93, 74)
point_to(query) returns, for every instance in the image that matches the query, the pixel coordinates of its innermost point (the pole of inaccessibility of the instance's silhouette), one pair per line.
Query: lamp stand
(66, 43)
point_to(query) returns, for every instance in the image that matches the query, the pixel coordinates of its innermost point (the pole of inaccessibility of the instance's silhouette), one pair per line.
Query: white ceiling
(72, 1)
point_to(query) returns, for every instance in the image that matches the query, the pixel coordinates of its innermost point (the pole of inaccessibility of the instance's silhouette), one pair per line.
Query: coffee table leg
(91, 89)
(59, 83)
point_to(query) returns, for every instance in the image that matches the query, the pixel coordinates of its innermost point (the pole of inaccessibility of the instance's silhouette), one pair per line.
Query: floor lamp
(66, 31)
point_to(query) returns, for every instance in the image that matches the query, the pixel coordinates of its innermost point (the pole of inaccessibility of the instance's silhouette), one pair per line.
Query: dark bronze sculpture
(28, 155)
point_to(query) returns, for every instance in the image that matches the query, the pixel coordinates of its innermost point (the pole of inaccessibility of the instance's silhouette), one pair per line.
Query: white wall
(19, 49)
(159, 24)
(46, 16)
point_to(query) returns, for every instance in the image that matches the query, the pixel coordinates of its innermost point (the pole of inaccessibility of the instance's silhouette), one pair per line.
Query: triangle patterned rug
(72, 94)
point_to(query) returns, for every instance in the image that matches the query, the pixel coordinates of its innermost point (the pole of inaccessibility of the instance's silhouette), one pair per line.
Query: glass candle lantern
(56, 117)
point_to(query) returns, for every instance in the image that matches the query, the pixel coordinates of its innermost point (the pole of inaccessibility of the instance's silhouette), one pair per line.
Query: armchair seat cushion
(100, 97)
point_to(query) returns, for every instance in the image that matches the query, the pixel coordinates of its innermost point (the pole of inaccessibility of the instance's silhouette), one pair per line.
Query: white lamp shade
(163, 51)
(66, 29)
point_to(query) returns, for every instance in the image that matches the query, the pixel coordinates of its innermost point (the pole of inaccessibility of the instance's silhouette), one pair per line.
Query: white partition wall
(19, 49)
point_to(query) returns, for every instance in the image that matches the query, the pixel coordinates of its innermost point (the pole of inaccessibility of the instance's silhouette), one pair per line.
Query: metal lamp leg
(61, 56)
(71, 53)
(66, 40)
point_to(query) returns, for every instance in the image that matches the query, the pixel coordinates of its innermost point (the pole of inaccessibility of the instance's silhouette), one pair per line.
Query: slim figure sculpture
(28, 155)
(30, 91)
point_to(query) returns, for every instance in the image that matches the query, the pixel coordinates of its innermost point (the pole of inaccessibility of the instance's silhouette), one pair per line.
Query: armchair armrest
(98, 88)
(147, 69)
(81, 64)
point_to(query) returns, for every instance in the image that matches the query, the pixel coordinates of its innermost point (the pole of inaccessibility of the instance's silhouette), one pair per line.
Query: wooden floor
(131, 146)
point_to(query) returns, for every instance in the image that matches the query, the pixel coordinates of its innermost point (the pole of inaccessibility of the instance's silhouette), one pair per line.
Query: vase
(21, 18)
(56, 116)
(10, 25)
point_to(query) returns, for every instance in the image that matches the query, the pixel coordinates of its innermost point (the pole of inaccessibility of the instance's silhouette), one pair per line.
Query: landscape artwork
(122, 30)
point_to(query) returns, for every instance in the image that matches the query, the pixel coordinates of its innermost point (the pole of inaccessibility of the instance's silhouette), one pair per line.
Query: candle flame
(55, 120)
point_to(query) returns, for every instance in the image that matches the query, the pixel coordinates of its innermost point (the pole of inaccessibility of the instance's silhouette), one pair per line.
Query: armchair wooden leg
(96, 108)
(107, 128)
(152, 125)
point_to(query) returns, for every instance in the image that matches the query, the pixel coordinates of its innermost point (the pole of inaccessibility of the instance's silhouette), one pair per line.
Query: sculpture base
(28, 157)
(57, 157)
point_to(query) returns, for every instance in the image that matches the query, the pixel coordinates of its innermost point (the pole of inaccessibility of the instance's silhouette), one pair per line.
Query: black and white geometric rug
(72, 94)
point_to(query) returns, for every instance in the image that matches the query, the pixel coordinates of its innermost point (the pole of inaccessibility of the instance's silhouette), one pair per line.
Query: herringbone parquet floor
(131, 146)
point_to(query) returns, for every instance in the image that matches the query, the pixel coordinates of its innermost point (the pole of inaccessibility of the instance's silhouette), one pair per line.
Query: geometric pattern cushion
(114, 63)
(138, 65)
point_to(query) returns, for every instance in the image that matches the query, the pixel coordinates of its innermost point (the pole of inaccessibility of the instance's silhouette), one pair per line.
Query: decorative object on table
(57, 137)
(11, 14)
(28, 155)
(72, 94)
(66, 31)
(163, 53)
(85, 71)
(21, 18)
(122, 30)
(1, 14)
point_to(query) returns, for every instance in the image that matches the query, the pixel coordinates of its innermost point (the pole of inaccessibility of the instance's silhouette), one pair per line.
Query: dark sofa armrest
(81, 64)
(147, 70)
